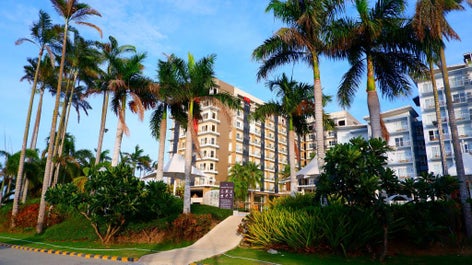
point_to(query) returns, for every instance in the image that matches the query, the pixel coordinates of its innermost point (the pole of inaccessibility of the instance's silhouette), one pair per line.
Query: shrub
(299, 201)
(189, 227)
(282, 228)
(216, 213)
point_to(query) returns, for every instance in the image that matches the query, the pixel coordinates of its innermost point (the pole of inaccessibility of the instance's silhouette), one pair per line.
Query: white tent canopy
(467, 158)
(175, 168)
(311, 169)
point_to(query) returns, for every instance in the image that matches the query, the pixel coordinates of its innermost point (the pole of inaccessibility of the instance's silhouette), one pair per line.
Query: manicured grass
(257, 257)
(133, 250)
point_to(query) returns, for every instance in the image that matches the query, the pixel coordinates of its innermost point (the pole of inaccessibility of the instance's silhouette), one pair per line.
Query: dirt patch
(153, 235)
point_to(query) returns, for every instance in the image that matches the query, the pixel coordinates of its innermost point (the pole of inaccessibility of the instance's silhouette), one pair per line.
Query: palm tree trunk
(373, 102)
(291, 154)
(52, 132)
(456, 148)
(102, 127)
(162, 144)
(437, 109)
(118, 140)
(320, 148)
(188, 158)
(21, 166)
(37, 121)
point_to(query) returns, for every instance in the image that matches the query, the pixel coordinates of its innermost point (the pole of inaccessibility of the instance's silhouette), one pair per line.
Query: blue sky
(231, 29)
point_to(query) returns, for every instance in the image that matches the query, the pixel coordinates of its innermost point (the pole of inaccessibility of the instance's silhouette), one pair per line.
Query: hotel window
(212, 140)
(433, 135)
(213, 128)
(205, 116)
(211, 166)
(341, 122)
(213, 115)
(399, 141)
(459, 97)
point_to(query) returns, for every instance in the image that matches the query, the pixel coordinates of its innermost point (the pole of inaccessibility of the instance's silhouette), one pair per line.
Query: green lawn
(131, 250)
(259, 257)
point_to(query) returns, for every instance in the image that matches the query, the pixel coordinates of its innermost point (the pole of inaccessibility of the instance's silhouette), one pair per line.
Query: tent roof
(311, 169)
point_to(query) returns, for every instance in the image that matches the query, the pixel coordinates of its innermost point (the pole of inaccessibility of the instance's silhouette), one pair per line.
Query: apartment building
(460, 79)
(227, 137)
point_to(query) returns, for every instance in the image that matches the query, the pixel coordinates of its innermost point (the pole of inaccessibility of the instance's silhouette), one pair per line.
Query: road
(11, 256)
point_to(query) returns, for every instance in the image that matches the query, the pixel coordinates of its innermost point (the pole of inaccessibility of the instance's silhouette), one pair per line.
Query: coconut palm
(165, 103)
(138, 160)
(295, 104)
(244, 176)
(70, 11)
(111, 52)
(376, 43)
(43, 34)
(430, 17)
(129, 82)
(194, 82)
(302, 41)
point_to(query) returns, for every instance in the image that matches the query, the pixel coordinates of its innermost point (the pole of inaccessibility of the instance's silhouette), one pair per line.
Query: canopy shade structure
(310, 170)
(467, 158)
(175, 168)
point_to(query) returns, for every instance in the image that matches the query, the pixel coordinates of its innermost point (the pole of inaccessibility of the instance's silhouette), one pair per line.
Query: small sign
(226, 195)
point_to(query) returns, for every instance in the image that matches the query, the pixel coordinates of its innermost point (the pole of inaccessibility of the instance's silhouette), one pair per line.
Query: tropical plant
(110, 52)
(244, 176)
(295, 104)
(129, 82)
(302, 41)
(138, 161)
(377, 43)
(71, 11)
(43, 34)
(111, 197)
(194, 83)
(430, 18)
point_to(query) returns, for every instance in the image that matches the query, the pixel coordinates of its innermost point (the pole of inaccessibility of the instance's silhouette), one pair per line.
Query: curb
(70, 253)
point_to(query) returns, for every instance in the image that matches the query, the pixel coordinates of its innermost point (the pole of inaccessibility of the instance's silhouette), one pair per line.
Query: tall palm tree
(70, 11)
(129, 82)
(431, 16)
(295, 105)
(138, 160)
(376, 43)
(302, 41)
(166, 103)
(43, 35)
(111, 52)
(244, 177)
(194, 82)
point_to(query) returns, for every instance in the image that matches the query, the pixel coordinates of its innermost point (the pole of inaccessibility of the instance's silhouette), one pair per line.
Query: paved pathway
(220, 239)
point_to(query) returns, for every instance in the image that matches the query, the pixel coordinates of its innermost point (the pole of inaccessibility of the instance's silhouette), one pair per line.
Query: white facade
(460, 79)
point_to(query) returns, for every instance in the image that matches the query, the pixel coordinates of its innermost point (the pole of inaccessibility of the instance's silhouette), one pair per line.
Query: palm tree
(111, 51)
(194, 82)
(244, 177)
(43, 34)
(302, 41)
(165, 103)
(294, 105)
(138, 160)
(430, 16)
(377, 44)
(129, 82)
(71, 11)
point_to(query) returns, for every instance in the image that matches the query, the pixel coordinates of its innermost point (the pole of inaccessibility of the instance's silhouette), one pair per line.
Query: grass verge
(259, 257)
(87, 247)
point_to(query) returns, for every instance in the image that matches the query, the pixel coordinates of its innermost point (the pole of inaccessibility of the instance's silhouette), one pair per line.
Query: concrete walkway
(220, 239)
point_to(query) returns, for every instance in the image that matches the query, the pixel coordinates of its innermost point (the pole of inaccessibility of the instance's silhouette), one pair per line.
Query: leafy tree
(355, 171)
(430, 18)
(110, 198)
(71, 11)
(194, 82)
(377, 43)
(129, 83)
(302, 40)
(244, 177)
(110, 53)
(43, 33)
(295, 105)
